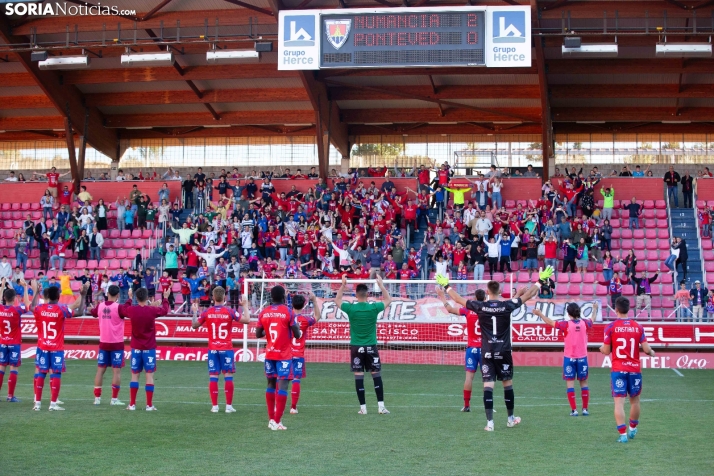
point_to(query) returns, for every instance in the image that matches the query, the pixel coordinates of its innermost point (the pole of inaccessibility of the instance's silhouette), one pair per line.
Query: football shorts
(221, 361)
(10, 355)
(298, 368)
(279, 369)
(472, 359)
(113, 358)
(46, 361)
(143, 360)
(575, 368)
(497, 366)
(365, 358)
(626, 383)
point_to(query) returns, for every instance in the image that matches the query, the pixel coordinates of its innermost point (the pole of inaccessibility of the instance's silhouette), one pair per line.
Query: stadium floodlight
(599, 50)
(65, 62)
(684, 50)
(232, 56)
(147, 59)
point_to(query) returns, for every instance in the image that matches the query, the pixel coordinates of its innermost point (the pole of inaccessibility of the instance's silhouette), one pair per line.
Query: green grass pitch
(425, 433)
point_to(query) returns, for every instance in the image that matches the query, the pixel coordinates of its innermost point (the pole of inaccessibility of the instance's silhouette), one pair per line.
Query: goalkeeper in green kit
(494, 318)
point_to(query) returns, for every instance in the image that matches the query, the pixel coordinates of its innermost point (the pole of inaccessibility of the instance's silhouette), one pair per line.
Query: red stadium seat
(125, 234)
(663, 234)
(81, 263)
(561, 290)
(660, 204)
(510, 204)
(574, 290)
(109, 254)
(575, 278)
(136, 234)
(650, 235)
(700, 203)
(92, 264)
(625, 214)
(114, 264)
(706, 245)
(652, 255)
(708, 255)
(114, 234)
(661, 215)
(639, 245)
(563, 278)
(710, 203)
(656, 315)
(709, 266)
(523, 277)
(626, 233)
(5, 206)
(121, 254)
(126, 264)
(651, 223)
(589, 278)
(15, 206)
(146, 234)
(128, 244)
(649, 214)
(25, 206)
(649, 204)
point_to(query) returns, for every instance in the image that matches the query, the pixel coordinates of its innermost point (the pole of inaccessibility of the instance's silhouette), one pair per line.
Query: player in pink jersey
(11, 338)
(473, 346)
(626, 335)
(281, 326)
(575, 360)
(305, 321)
(111, 343)
(219, 321)
(49, 319)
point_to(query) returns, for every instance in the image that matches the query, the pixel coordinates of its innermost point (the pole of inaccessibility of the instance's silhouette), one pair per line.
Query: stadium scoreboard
(448, 38)
(404, 37)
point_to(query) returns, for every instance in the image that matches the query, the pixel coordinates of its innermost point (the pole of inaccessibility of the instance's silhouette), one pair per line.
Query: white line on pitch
(678, 372)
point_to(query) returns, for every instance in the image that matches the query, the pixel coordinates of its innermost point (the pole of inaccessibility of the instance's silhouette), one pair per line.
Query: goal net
(415, 329)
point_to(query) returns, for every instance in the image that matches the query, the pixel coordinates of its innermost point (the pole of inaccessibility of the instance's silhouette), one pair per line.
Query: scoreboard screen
(371, 40)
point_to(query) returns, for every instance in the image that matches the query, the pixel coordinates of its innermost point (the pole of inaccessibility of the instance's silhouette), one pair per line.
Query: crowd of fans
(225, 229)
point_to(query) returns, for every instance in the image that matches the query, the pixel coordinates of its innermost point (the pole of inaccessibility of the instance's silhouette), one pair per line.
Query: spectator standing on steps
(672, 179)
(687, 190)
(681, 245)
(699, 296)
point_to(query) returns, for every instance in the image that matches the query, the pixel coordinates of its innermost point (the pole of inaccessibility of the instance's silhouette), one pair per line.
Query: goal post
(415, 329)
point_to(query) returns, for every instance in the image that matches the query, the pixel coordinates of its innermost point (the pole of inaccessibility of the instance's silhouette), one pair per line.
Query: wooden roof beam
(189, 97)
(205, 119)
(66, 98)
(409, 115)
(345, 92)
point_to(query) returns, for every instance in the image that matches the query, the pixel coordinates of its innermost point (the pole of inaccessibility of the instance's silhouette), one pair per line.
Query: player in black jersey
(495, 321)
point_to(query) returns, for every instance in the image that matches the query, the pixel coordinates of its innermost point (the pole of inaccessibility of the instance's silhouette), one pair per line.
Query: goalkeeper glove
(442, 280)
(545, 274)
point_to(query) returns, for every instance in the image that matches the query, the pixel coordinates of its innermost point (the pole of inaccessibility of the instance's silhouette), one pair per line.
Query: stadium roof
(635, 92)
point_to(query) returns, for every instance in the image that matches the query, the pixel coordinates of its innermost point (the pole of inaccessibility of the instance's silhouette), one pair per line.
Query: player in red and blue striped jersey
(11, 338)
(626, 335)
(219, 321)
(49, 318)
(472, 359)
(305, 321)
(277, 323)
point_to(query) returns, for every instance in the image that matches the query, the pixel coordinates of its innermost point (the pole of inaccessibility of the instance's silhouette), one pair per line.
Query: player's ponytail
(573, 310)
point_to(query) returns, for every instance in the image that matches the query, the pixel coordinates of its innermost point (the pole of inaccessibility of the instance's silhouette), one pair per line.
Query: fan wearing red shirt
(49, 319)
(626, 335)
(305, 321)
(143, 342)
(53, 181)
(11, 338)
(219, 321)
(281, 326)
(473, 345)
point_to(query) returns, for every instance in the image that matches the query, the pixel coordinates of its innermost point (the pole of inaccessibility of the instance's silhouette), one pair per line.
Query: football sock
(133, 390)
(621, 429)
(488, 403)
(2, 377)
(571, 399)
(115, 391)
(295, 393)
(378, 387)
(55, 383)
(11, 382)
(228, 389)
(359, 386)
(97, 391)
(585, 393)
(270, 402)
(280, 400)
(149, 395)
(467, 398)
(510, 399)
(39, 386)
(213, 390)
(633, 424)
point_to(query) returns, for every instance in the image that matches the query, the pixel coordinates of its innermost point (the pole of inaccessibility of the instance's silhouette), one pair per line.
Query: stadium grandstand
(190, 144)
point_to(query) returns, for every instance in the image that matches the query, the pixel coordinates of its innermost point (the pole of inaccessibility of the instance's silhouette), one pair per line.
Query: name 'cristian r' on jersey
(494, 318)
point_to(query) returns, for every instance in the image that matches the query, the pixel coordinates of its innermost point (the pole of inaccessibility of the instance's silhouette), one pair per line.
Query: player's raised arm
(442, 296)
(194, 319)
(546, 319)
(35, 294)
(338, 297)
(245, 303)
(26, 295)
(443, 281)
(78, 305)
(386, 298)
(317, 310)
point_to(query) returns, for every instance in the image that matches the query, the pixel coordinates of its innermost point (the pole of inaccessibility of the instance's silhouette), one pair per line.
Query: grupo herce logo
(509, 27)
(39, 8)
(299, 31)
